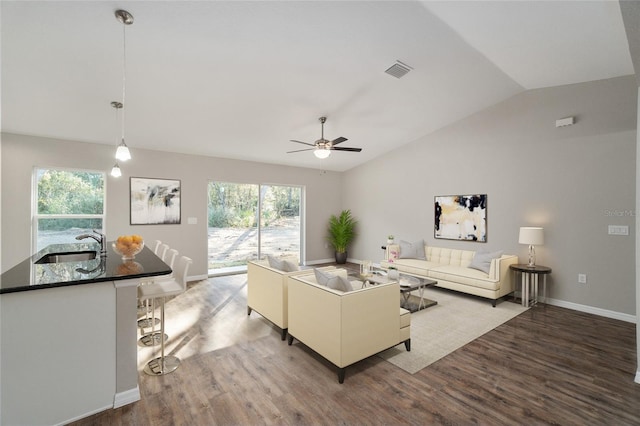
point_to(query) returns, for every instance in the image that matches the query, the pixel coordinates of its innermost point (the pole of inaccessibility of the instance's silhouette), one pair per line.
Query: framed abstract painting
(154, 201)
(461, 217)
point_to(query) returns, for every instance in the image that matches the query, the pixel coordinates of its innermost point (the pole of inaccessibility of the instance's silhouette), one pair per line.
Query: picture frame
(461, 217)
(154, 201)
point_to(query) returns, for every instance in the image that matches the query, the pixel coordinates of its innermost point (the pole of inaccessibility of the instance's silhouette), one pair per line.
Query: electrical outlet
(582, 278)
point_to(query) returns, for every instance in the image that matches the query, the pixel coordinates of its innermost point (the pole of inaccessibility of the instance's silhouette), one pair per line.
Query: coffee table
(408, 283)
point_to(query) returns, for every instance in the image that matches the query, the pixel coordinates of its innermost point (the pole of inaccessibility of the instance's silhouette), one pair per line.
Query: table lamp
(532, 236)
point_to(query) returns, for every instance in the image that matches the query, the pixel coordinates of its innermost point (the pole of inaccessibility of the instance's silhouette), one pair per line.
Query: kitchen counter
(28, 275)
(69, 334)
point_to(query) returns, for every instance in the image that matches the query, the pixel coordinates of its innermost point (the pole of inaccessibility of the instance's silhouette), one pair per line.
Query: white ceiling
(239, 79)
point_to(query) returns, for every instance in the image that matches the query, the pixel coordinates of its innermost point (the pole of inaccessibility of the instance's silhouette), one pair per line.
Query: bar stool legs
(152, 338)
(164, 364)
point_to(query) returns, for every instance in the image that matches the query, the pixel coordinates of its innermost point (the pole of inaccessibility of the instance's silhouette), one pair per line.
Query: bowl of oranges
(128, 246)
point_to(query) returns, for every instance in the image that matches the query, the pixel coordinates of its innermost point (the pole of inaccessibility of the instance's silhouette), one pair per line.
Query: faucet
(100, 238)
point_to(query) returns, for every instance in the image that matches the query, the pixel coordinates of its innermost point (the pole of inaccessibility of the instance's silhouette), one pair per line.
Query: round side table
(529, 279)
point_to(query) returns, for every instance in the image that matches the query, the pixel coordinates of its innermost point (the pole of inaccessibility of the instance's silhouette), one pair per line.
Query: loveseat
(346, 327)
(478, 273)
(267, 289)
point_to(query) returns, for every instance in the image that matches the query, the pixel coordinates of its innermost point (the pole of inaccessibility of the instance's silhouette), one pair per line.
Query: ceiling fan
(322, 147)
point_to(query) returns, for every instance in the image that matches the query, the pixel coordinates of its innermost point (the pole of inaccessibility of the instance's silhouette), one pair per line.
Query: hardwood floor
(547, 366)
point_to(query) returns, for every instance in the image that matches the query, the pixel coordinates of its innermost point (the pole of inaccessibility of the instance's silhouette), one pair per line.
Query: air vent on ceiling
(398, 69)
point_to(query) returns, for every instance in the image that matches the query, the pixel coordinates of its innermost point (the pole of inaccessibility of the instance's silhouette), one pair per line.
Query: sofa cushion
(284, 265)
(463, 275)
(482, 260)
(412, 250)
(412, 266)
(333, 281)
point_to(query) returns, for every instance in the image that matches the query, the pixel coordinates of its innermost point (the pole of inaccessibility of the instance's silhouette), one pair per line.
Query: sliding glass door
(247, 222)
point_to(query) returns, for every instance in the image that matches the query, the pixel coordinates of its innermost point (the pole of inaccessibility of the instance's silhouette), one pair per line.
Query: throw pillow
(412, 250)
(336, 282)
(275, 263)
(321, 277)
(482, 260)
(290, 266)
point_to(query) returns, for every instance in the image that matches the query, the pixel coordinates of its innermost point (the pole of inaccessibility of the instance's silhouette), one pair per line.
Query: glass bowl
(128, 251)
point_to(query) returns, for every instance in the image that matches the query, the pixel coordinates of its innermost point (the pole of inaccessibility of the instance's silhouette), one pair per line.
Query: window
(247, 222)
(67, 203)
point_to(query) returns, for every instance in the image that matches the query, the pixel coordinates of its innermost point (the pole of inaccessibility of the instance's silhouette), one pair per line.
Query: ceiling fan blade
(305, 143)
(300, 150)
(346, 149)
(338, 140)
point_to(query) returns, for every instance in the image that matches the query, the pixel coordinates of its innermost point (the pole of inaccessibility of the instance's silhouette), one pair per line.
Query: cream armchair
(346, 327)
(267, 292)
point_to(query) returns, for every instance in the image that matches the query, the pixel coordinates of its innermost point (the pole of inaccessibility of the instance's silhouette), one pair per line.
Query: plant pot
(341, 258)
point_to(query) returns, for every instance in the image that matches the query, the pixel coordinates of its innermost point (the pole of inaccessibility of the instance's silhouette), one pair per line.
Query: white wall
(22, 153)
(573, 181)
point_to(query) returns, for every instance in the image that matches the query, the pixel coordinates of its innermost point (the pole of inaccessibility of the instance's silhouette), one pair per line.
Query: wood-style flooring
(547, 366)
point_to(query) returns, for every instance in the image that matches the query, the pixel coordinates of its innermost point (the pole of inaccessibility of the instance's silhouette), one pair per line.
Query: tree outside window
(67, 203)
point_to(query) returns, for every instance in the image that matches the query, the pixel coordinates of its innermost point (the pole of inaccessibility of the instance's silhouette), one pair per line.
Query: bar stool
(153, 337)
(143, 309)
(165, 364)
(149, 321)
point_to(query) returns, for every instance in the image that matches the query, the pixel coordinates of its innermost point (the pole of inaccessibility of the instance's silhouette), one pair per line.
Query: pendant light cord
(124, 73)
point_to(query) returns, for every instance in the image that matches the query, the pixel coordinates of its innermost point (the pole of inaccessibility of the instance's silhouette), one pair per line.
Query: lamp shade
(321, 152)
(531, 235)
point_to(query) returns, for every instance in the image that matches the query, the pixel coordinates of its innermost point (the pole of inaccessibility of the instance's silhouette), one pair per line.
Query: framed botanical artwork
(461, 217)
(154, 201)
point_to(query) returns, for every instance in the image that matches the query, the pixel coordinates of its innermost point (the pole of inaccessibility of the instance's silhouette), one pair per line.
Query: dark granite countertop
(28, 275)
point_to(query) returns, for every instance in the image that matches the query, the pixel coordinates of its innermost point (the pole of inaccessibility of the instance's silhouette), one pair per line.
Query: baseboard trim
(127, 397)
(82, 416)
(637, 379)
(319, 261)
(197, 278)
(593, 310)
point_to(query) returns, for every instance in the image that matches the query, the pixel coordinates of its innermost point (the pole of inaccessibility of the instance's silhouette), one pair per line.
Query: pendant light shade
(122, 153)
(116, 172)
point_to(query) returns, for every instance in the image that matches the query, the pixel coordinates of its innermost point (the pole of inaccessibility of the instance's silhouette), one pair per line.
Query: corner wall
(20, 154)
(573, 181)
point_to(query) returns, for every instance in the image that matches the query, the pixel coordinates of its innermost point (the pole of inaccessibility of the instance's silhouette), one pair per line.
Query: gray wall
(573, 181)
(21, 153)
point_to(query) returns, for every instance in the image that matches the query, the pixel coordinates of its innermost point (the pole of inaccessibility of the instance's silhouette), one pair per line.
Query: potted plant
(390, 239)
(341, 233)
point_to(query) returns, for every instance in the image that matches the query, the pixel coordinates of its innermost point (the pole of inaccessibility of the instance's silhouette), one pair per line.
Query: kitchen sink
(72, 256)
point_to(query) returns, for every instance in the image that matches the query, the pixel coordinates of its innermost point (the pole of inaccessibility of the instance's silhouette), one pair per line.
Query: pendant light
(122, 153)
(115, 171)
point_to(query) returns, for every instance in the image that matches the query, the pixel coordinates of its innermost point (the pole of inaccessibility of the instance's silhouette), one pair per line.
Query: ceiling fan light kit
(322, 147)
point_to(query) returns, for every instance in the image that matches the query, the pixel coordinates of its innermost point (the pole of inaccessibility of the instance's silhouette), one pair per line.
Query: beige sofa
(450, 268)
(346, 327)
(267, 292)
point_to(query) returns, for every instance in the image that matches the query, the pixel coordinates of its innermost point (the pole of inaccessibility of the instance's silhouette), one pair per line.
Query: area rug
(456, 320)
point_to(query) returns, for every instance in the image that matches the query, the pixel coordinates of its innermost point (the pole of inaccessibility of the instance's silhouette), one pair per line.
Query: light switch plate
(618, 230)
(192, 220)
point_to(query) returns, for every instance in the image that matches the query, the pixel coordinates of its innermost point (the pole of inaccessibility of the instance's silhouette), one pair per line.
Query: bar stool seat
(160, 290)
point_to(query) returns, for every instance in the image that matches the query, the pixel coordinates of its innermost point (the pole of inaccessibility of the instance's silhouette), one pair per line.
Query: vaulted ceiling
(239, 79)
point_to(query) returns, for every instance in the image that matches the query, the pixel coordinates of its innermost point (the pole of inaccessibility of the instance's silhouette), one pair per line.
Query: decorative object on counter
(122, 152)
(128, 246)
(365, 268)
(461, 217)
(341, 234)
(155, 201)
(390, 239)
(532, 236)
(392, 273)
